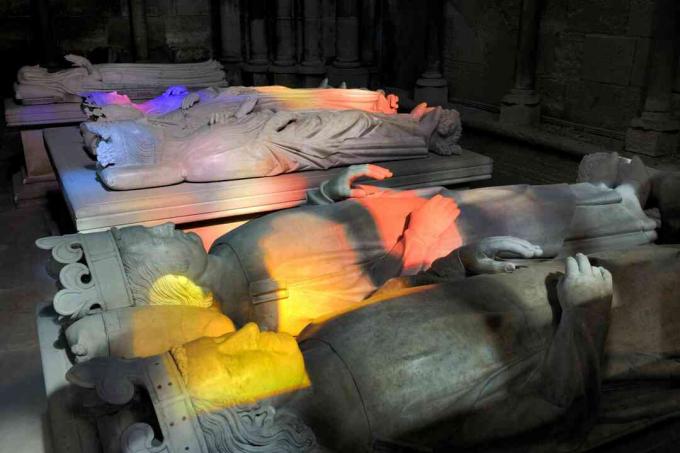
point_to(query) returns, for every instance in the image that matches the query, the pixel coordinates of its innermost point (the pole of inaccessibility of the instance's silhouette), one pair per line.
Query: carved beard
(254, 428)
(124, 143)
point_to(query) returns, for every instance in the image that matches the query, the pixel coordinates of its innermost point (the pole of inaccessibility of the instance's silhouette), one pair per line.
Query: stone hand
(342, 186)
(481, 257)
(219, 118)
(83, 62)
(87, 338)
(189, 100)
(430, 220)
(583, 284)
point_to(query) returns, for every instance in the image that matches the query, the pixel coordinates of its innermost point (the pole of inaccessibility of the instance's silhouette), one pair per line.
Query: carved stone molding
(92, 276)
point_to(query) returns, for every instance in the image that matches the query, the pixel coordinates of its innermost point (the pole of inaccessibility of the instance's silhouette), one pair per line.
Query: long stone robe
(137, 154)
(294, 266)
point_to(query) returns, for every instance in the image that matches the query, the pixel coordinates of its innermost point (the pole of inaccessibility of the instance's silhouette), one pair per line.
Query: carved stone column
(42, 12)
(284, 61)
(347, 65)
(230, 31)
(312, 67)
(522, 105)
(231, 54)
(258, 59)
(655, 132)
(432, 87)
(139, 33)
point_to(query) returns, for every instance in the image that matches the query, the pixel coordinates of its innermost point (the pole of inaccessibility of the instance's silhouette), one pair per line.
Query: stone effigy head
(125, 267)
(121, 143)
(163, 265)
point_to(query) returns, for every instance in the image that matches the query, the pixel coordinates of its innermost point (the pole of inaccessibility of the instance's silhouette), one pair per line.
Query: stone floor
(23, 284)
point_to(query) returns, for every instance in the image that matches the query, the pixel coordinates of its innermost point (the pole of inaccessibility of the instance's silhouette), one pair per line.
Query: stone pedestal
(434, 91)
(656, 132)
(312, 67)
(653, 135)
(521, 107)
(283, 69)
(354, 77)
(347, 65)
(432, 87)
(258, 64)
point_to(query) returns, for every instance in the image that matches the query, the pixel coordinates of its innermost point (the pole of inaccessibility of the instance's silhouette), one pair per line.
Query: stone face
(608, 59)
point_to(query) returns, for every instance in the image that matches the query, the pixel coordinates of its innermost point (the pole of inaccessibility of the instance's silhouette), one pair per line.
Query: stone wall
(592, 56)
(18, 45)
(480, 42)
(593, 60)
(177, 31)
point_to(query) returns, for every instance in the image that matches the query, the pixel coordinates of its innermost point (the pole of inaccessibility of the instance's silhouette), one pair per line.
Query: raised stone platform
(93, 207)
(18, 115)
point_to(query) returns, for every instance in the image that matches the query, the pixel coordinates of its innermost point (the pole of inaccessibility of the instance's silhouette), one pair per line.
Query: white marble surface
(94, 207)
(17, 115)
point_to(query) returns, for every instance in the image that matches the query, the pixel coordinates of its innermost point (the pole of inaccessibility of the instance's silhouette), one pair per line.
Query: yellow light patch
(178, 290)
(242, 367)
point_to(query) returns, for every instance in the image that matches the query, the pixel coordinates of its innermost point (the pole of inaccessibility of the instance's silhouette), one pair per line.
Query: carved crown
(92, 275)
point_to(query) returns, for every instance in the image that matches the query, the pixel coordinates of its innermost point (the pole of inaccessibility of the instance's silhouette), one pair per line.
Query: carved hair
(147, 258)
(254, 428)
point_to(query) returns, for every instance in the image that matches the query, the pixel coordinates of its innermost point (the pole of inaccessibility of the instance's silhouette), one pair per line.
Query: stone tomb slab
(93, 207)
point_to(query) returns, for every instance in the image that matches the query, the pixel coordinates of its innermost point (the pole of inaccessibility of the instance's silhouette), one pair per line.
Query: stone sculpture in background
(112, 106)
(36, 85)
(215, 142)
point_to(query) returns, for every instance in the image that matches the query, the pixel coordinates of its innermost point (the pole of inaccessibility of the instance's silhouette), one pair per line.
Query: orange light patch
(325, 269)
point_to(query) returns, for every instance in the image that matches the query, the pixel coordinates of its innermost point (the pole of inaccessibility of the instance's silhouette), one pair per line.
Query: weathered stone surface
(80, 36)
(480, 48)
(158, 7)
(552, 96)
(568, 56)
(192, 8)
(601, 104)
(608, 59)
(155, 27)
(640, 62)
(641, 18)
(188, 36)
(119, 32)
(15, 8)
(598, 16)
(650, 142)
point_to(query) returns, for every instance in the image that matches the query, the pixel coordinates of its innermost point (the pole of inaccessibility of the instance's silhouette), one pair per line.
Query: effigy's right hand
(433, 218)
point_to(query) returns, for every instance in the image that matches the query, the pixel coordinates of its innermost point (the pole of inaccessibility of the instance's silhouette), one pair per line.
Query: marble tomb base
(93, 207)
